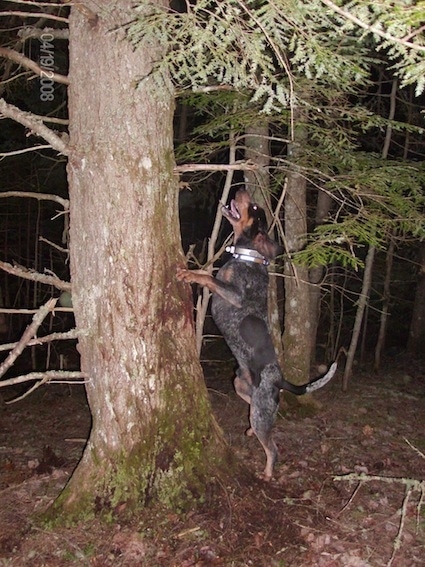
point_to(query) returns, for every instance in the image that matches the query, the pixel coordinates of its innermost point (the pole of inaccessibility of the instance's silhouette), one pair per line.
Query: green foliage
(394, 28)
(378, 200)
(251, 46)
(233, 60)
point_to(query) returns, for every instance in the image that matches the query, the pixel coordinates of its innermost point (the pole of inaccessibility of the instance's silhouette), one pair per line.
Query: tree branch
(29, 333)
(28, 63)
(43, 15)
(27, 274)
(241, 166)
(43, 377)
(30, 32)
(35, 125)
(39, 196)
(372, 29)
(68, 335)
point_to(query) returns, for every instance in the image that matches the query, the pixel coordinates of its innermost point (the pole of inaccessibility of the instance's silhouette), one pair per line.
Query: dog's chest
(250, 280)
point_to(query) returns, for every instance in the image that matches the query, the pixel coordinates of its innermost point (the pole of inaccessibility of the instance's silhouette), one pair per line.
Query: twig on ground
(410, 484)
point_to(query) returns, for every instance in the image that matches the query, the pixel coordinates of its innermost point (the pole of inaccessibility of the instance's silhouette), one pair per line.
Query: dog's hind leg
(264, 406)
(243, 384)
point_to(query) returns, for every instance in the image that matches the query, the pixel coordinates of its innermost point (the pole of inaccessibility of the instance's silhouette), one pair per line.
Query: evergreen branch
(373, 29)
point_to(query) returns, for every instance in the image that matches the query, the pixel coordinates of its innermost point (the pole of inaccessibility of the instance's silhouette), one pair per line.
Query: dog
(239, 309)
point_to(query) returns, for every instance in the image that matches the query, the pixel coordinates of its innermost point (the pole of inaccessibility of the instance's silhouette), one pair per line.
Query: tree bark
(361, 306)
(257, 150)
(324, 202)
(416, 342)
(297, 324)
(153, 434)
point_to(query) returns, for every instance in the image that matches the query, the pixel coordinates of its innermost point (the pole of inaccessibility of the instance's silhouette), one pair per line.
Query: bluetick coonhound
(239, 308)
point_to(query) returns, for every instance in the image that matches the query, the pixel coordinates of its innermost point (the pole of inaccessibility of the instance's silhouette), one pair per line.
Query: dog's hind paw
(249, 432)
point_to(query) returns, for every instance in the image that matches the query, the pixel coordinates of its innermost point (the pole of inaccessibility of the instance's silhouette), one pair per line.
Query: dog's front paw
(183, 275)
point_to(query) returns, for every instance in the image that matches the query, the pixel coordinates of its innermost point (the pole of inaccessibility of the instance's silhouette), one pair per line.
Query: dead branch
(27, 274)
(39, 196)
(28, 63)
(397, 541)
(415, 449)
(35, 125)
(43, 15)
(410, 484)
(29, 333)
(66, 336)
(53, 245)
(29, 32)
(24, 150)
(361, 477)
(240, 166)
(43, 378)
(24, 311)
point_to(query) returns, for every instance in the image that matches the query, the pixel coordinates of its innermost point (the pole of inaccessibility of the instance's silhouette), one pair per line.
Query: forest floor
(311, 514)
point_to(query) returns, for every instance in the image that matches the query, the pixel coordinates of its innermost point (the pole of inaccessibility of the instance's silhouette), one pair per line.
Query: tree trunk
(416, 342)
(385, 311)
(361, 306)
(153, 434)
(257, 150)
(324, 202)
(297, 324)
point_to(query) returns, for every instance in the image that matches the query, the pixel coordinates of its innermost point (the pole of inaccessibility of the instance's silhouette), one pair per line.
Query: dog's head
(250, 225)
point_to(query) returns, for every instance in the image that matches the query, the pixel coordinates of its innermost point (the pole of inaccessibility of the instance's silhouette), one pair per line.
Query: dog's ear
(266, 246)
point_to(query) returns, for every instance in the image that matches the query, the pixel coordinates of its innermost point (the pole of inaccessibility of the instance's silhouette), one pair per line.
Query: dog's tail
(315, 384)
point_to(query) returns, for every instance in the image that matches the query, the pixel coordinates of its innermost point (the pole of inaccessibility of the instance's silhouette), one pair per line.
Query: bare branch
(52, 119)
(35, 125)
(28, 63)
(39, 196)
(24, 151)
(29, 333)
(27, 274)
(32, 311)
(43, 377)
(30, 32)
(240, 166)
(53, 245)
(68, 335)
(34, 15)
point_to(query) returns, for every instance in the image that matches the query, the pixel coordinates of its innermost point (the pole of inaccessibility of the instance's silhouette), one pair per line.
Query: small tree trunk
(297, 324)
(363, 299)
(380, 344)
(324, 202)
(153, 434)
(416, 342)
(257, 150)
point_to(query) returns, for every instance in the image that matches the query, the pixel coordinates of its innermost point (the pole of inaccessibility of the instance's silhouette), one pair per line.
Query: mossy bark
(153, 434)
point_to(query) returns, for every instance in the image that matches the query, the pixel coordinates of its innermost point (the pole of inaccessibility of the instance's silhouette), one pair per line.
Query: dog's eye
(255, 207)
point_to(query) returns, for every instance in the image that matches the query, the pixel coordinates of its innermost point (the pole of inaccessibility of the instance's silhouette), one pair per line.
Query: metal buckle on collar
(247, 255)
